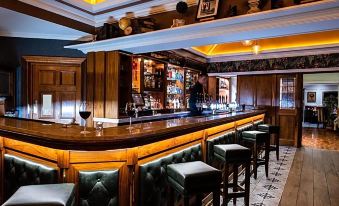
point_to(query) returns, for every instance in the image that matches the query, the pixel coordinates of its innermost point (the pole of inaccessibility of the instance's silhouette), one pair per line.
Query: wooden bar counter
(133, 153)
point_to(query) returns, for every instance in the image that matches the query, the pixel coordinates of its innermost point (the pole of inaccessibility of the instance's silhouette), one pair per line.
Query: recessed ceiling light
(247, 42)
(256, 49)
(94, 1)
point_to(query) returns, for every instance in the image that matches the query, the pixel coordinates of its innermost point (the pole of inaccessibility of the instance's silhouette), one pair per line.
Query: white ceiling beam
(306, 18)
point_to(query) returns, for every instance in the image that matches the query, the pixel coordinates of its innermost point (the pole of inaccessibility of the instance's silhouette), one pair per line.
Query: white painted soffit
(306, 18)
(140, 10)
(15, 24)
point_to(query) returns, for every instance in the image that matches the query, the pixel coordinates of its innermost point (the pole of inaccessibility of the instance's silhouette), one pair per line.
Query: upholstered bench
(272, 129)
(236, 155)
(50, 194)
(195, 178)
(258, 139)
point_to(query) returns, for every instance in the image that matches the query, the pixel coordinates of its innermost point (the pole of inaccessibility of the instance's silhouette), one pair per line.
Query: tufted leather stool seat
(232, 152)
(195, 178)
(236, 155)
(258, 140)
(272, 129)
(50, 194)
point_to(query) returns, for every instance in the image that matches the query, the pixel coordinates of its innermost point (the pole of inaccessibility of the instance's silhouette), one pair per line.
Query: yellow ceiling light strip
(212, 49)
(93, 2)
(279, 43)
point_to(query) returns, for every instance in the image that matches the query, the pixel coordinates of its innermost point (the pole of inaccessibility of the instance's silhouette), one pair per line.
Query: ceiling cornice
(306, 18)
(41, 13)
(97, 17)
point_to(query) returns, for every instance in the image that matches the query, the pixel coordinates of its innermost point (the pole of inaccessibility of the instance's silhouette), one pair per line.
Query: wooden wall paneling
(112, 85)
(246, 90)
(264, 95)
(99, 85)
(299, 118)
(275, 99)
(125, 79)
(212, 87)
(89, 85)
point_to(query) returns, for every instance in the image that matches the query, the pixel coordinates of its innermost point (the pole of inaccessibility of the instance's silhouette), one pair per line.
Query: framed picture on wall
(311, 97)
(207, 9)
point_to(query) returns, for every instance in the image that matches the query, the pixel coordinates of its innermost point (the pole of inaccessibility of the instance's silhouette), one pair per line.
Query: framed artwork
(311, 97)
(207, 9)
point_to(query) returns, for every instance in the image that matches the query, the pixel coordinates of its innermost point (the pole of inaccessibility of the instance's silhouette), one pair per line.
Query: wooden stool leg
(186, 200)
(235, 181)
(171, 197)
(216, 197)
(199, 200)
(247, 183)
(267, 155)
(255, 160)
(277, 145)
(225, 192)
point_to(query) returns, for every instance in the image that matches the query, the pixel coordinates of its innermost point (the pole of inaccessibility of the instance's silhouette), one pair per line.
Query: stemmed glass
(130, 111)
(84, 114)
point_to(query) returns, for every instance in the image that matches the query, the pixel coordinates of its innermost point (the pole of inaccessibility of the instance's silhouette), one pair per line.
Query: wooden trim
(54, 60)
(30, 10)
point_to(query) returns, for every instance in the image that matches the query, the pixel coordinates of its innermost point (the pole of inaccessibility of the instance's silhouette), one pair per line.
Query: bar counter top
(55, 136)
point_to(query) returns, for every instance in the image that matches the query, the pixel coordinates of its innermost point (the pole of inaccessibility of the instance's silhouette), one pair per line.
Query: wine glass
(130, 111)
(84, 114)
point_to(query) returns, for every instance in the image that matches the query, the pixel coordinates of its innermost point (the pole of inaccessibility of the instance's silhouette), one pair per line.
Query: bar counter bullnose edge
(114, 138)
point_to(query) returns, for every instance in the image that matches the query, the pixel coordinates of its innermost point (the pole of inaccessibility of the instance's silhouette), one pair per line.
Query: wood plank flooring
(320, 138)
(313, 179)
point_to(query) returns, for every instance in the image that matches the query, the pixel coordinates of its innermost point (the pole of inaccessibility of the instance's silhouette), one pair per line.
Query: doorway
(320, 110)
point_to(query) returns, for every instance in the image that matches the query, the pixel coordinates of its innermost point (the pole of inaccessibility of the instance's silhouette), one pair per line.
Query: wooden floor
(320, 138)
(314, 175)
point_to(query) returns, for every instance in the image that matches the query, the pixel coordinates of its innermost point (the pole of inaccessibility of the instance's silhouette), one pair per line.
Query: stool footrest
(236, 194)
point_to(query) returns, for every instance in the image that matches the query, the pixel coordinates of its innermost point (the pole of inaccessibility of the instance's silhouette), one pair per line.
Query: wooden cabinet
(52, 88)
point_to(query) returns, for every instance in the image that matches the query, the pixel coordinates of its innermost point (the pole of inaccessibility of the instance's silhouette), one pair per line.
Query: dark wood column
(103, 80)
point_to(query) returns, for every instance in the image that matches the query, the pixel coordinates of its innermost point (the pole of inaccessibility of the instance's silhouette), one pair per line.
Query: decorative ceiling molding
(309, 70)
(298, 63)
(45, 36)
(96, 15)
(290, 52)
(306, 18)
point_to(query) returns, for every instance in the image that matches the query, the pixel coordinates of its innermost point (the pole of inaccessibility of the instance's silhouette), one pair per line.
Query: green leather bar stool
(272, 129)
(258, 140)
(194, 178)
(236, 155)
(50, 194)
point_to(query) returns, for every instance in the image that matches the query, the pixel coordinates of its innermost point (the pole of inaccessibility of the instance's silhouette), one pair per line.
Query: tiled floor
(320, 138)
(268, 191)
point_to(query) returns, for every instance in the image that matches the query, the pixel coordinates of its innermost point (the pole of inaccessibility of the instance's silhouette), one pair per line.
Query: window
(287, 93)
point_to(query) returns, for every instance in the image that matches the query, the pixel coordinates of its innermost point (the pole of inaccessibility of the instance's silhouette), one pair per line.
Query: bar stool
(194, 178)
(272, 129)
(258, 139)
(50, 194)
(236, 155)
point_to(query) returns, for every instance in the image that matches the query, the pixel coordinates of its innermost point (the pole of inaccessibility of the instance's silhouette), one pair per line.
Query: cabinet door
(56, 92)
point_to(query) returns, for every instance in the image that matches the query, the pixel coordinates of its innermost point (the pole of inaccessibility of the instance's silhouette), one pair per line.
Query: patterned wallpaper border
(286, 63)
